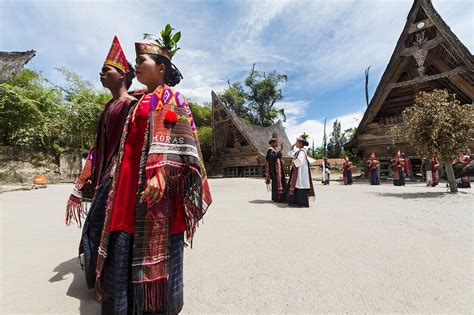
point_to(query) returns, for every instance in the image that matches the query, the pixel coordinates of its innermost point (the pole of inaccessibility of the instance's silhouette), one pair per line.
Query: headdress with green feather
(167, 41)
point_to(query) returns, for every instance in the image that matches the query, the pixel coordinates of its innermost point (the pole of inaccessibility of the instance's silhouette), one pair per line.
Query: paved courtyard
(356, 249)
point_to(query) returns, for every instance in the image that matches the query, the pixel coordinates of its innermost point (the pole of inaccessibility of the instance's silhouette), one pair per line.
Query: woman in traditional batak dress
(159, 193)
(398, 164)
(373, 167)
(434, 171)
(347, 172)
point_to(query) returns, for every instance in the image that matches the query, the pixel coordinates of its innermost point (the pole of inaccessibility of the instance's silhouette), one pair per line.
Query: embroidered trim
(168, 148)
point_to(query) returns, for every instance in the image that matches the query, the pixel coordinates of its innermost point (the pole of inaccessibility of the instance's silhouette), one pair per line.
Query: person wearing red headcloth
(373, 167)
(96, 177)
(159, 193)
(398, 164)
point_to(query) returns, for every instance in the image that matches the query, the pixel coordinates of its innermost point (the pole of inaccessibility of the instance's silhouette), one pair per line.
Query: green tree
(317, 152)
(437, 125)
(202, 114)
(235, 98)
(33, 113)
(336, 141)
(203, 119)
(256, 99)
(30, 113)
(84, 104)
(347, 135)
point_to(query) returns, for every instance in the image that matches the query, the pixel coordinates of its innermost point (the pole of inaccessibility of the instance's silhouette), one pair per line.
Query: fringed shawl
(173, 149)
(101, 158)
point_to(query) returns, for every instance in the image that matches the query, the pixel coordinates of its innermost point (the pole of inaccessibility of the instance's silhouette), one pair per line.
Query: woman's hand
(154, 190)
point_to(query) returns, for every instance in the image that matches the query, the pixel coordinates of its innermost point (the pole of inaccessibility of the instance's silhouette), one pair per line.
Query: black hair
(129, 76)
(172, 74)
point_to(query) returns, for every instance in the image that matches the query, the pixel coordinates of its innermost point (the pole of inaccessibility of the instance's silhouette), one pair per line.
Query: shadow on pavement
(277, 204)
(418, 195)
(78, 288)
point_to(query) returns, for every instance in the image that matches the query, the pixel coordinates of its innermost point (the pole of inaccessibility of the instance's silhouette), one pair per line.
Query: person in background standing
(347, 171)
(373, 167)
(275, 172)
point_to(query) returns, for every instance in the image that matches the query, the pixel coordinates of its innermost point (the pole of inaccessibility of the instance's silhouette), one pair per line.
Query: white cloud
(315, 128)
(322, 45)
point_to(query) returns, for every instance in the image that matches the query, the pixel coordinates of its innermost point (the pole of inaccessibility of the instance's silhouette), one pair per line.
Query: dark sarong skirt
(348, 177)
(401, 180)
(118, 288)
(92, 231)
(275, 190)
(374, 177)
(300, 198)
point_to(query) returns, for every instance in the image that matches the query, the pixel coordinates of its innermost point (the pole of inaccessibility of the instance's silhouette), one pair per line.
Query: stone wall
(20, 165)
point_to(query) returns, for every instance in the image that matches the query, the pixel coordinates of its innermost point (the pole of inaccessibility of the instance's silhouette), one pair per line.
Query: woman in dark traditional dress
(159, 193)
(434, 171)
(463, 160)
(347, 172)
(398, 164)
(116, 75)
(275, 172)
(373, 167)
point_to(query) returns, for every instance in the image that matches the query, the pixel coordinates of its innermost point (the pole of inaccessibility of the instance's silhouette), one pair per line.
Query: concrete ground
(356, 249)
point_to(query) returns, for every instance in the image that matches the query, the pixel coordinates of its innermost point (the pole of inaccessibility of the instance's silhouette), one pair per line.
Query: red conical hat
(116, 57)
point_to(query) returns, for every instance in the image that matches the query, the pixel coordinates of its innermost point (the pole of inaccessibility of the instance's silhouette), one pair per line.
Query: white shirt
(302, 182)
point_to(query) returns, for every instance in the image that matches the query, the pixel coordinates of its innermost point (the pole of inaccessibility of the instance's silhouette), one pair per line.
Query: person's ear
(162, 68)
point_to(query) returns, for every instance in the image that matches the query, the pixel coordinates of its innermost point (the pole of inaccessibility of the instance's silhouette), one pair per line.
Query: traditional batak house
(11, 63)
(428, 56)
(241, 147)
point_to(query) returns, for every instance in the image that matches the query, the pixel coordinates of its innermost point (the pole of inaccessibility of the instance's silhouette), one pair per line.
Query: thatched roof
(457, 60)
(11, 63)
(258, 136)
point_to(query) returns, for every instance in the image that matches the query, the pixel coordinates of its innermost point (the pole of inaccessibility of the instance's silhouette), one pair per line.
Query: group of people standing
(148, 182)
(299, 187)
(401, 169)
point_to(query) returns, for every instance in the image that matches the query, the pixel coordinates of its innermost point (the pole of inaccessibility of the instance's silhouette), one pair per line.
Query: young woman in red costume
(159, 193)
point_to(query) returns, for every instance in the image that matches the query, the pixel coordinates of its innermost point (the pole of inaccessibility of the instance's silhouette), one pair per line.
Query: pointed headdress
(116, 57)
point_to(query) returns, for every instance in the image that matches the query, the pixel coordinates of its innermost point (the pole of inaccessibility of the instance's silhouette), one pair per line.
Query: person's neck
(153, 87)
(116, 94)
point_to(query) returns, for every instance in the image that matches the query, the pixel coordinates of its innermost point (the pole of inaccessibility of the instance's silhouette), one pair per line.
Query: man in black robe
(275, 172)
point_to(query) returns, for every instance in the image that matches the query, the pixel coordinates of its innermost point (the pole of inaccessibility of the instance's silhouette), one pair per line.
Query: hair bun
(175, 76)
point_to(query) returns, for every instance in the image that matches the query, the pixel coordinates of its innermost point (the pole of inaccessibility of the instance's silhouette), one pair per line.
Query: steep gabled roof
(11, 63)
(449, 41)
(257, 136)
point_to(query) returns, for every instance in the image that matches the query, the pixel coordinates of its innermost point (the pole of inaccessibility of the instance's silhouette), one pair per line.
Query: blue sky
(322, 45)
